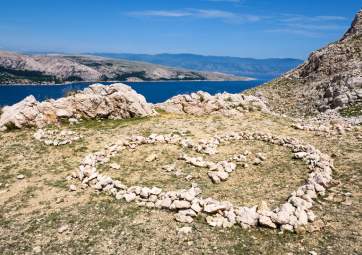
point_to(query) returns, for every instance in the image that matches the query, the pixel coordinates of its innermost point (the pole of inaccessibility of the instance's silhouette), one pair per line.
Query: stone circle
(188, 203)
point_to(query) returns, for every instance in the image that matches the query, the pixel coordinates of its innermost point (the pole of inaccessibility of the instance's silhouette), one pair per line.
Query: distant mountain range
(250, 67)
(43, 68)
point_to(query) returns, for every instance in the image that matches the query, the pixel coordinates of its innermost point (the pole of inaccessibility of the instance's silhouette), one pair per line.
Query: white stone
(257, 161)
(63, 228)
(287, 227)
(311, 216)
(37, 249)
(20, 176)
(302, 216)
(145, 192)
(183, 218)
(266, 221)
(166, 202)
(151, 158)
(181, 204)
(184, 230)
(72, 187)
(188, 212)
(155, 191)
(196, 207)
(129, 197)
(214, 177)
(215, 221)
(261, 156)
(248, 216)
(115, 166)
(213, 207)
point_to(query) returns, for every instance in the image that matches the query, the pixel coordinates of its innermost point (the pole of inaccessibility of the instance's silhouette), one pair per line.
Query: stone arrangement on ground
(189, 203)
(329, 123)
(56, 137)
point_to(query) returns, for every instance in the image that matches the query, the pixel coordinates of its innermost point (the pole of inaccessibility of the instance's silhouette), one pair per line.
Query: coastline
(93, 82)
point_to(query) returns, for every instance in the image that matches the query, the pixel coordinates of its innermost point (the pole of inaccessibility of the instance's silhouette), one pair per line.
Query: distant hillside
(331, 78)
(257, 68)
(55, 68)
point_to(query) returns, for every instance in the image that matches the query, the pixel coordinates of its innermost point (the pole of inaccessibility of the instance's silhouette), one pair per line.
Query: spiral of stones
(188, 203)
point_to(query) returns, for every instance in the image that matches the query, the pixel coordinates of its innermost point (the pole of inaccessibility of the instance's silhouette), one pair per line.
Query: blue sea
(154, 92)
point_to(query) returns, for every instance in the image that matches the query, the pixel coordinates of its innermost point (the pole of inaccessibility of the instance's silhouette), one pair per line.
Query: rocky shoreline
(118, 81)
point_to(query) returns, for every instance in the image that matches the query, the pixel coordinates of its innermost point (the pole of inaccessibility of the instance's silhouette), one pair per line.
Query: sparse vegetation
(39, 204)
(352, 110)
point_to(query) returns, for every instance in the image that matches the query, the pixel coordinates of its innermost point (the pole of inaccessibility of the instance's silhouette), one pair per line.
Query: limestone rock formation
(201, 103)
(331, 78)
(117, 101)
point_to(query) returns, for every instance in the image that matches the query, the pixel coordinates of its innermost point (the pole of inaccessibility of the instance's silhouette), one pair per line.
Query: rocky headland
(16, 68)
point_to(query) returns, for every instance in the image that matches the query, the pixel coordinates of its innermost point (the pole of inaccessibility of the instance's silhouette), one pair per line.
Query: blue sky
(244, 28)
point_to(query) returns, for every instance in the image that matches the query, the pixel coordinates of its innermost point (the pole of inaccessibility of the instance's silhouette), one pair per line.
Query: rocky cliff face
(330, 78)
(19, 69)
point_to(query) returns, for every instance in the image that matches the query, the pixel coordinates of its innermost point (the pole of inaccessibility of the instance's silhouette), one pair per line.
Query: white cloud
(302, 32)
(161, 13)
(199, 13)
(310, 26)
(303, 18)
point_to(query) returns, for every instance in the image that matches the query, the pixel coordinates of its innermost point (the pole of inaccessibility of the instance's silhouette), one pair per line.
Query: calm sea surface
(154, 92)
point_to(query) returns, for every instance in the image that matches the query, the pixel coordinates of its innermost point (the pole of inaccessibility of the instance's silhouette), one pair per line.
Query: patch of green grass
(101, 124)
(5, 174)
(60, 183)
(160, 111)
(146, 132)
(354, 110)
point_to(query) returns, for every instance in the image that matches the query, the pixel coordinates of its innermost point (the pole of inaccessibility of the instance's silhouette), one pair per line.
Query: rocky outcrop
(202, 103)
(331, 78)
(117, 101)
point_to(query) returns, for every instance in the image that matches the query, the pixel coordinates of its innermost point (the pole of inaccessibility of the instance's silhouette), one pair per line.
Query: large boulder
(116, 101)
(202, 103)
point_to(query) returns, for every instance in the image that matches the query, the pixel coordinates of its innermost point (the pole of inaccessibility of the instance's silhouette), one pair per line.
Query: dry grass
(32, 209)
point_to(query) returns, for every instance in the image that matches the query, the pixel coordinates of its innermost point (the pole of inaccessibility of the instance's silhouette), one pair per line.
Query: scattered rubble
(328, 123)
(56, 137)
